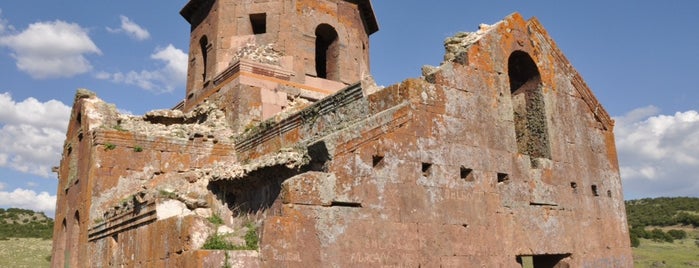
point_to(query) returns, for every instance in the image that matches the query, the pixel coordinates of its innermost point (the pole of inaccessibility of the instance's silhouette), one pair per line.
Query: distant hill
(24, 223)
(663, 211)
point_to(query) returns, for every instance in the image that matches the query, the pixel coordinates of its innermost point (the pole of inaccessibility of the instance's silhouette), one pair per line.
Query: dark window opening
(327, 52)
(426, 169)
(466, 174)
(259, 23)
(79, 118)
(204, 46)
(528, 106)
(503, 177)
(346, 204)
(594, 190)
(574, 185)
(544, 261)
(376, 160)
(609, 193)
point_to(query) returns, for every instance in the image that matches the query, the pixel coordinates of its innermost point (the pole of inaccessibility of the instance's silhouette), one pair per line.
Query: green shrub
(138, 149)
(635, 242)
(217, 242)
(660, 236)
(677, 234)
(215, 219)
(251, 238)
(109, 146)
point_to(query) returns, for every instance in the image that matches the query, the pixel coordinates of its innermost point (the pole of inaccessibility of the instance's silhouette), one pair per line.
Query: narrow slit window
(259, 23)
(426, 169)
(574, 185)
(594, 190)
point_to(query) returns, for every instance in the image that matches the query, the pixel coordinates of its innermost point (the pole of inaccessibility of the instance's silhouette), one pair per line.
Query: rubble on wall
(460, 42)
(206, 121)
(263, 54)
(292, 158)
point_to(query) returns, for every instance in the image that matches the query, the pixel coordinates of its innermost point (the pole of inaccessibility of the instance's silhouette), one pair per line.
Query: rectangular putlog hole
(426, 169)
(503, 177)
(376, 160)
(466, 174)
(345, 204)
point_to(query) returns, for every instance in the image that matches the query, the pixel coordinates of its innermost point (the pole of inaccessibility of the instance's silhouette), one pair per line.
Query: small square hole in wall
(466, 174)
(259, 23)
(426, 169)
(503, 177)
(594, 190)
(609, 193)
(574, 185)
(376, 160)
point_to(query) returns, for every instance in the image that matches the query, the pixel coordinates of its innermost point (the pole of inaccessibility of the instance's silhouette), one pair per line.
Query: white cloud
(2, 186)
(132, 29)
(28, 199)
(165, 79)
(658, 153)
(51, 49)
(32, 134)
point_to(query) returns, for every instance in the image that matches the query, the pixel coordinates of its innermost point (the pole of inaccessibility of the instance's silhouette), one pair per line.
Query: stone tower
(257, 58)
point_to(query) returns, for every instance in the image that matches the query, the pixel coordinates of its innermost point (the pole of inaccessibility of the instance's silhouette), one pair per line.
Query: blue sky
(641, 59)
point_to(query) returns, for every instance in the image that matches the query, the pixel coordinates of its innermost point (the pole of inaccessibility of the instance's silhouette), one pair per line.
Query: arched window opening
(327, 52)
(74, 241)
(204, 46)
(528, 105)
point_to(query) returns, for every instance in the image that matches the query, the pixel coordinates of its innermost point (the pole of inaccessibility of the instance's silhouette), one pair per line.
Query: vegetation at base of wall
(138, 149)
(219, 242)
(251, 238)
(23, 223)
(647, 216)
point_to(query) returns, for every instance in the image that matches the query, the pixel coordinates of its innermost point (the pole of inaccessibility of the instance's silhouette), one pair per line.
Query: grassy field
(33, 252)
(25, 252)
(681, 253)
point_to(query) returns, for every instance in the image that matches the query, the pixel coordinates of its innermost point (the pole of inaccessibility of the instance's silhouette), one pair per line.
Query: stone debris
(292, 158)
(206, 121)
(460, 42)
(263, 54)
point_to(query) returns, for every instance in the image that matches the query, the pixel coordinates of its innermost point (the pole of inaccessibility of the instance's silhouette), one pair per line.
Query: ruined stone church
(284, 153)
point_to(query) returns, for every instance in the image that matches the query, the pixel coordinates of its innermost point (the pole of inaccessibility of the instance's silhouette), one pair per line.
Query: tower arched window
(327, 52)
(204, 46)
(528, 105)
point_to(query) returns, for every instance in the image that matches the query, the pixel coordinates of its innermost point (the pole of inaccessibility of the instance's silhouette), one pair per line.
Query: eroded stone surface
(499, 156)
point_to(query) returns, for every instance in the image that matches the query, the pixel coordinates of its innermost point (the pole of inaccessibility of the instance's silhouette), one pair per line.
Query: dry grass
(25, 252)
